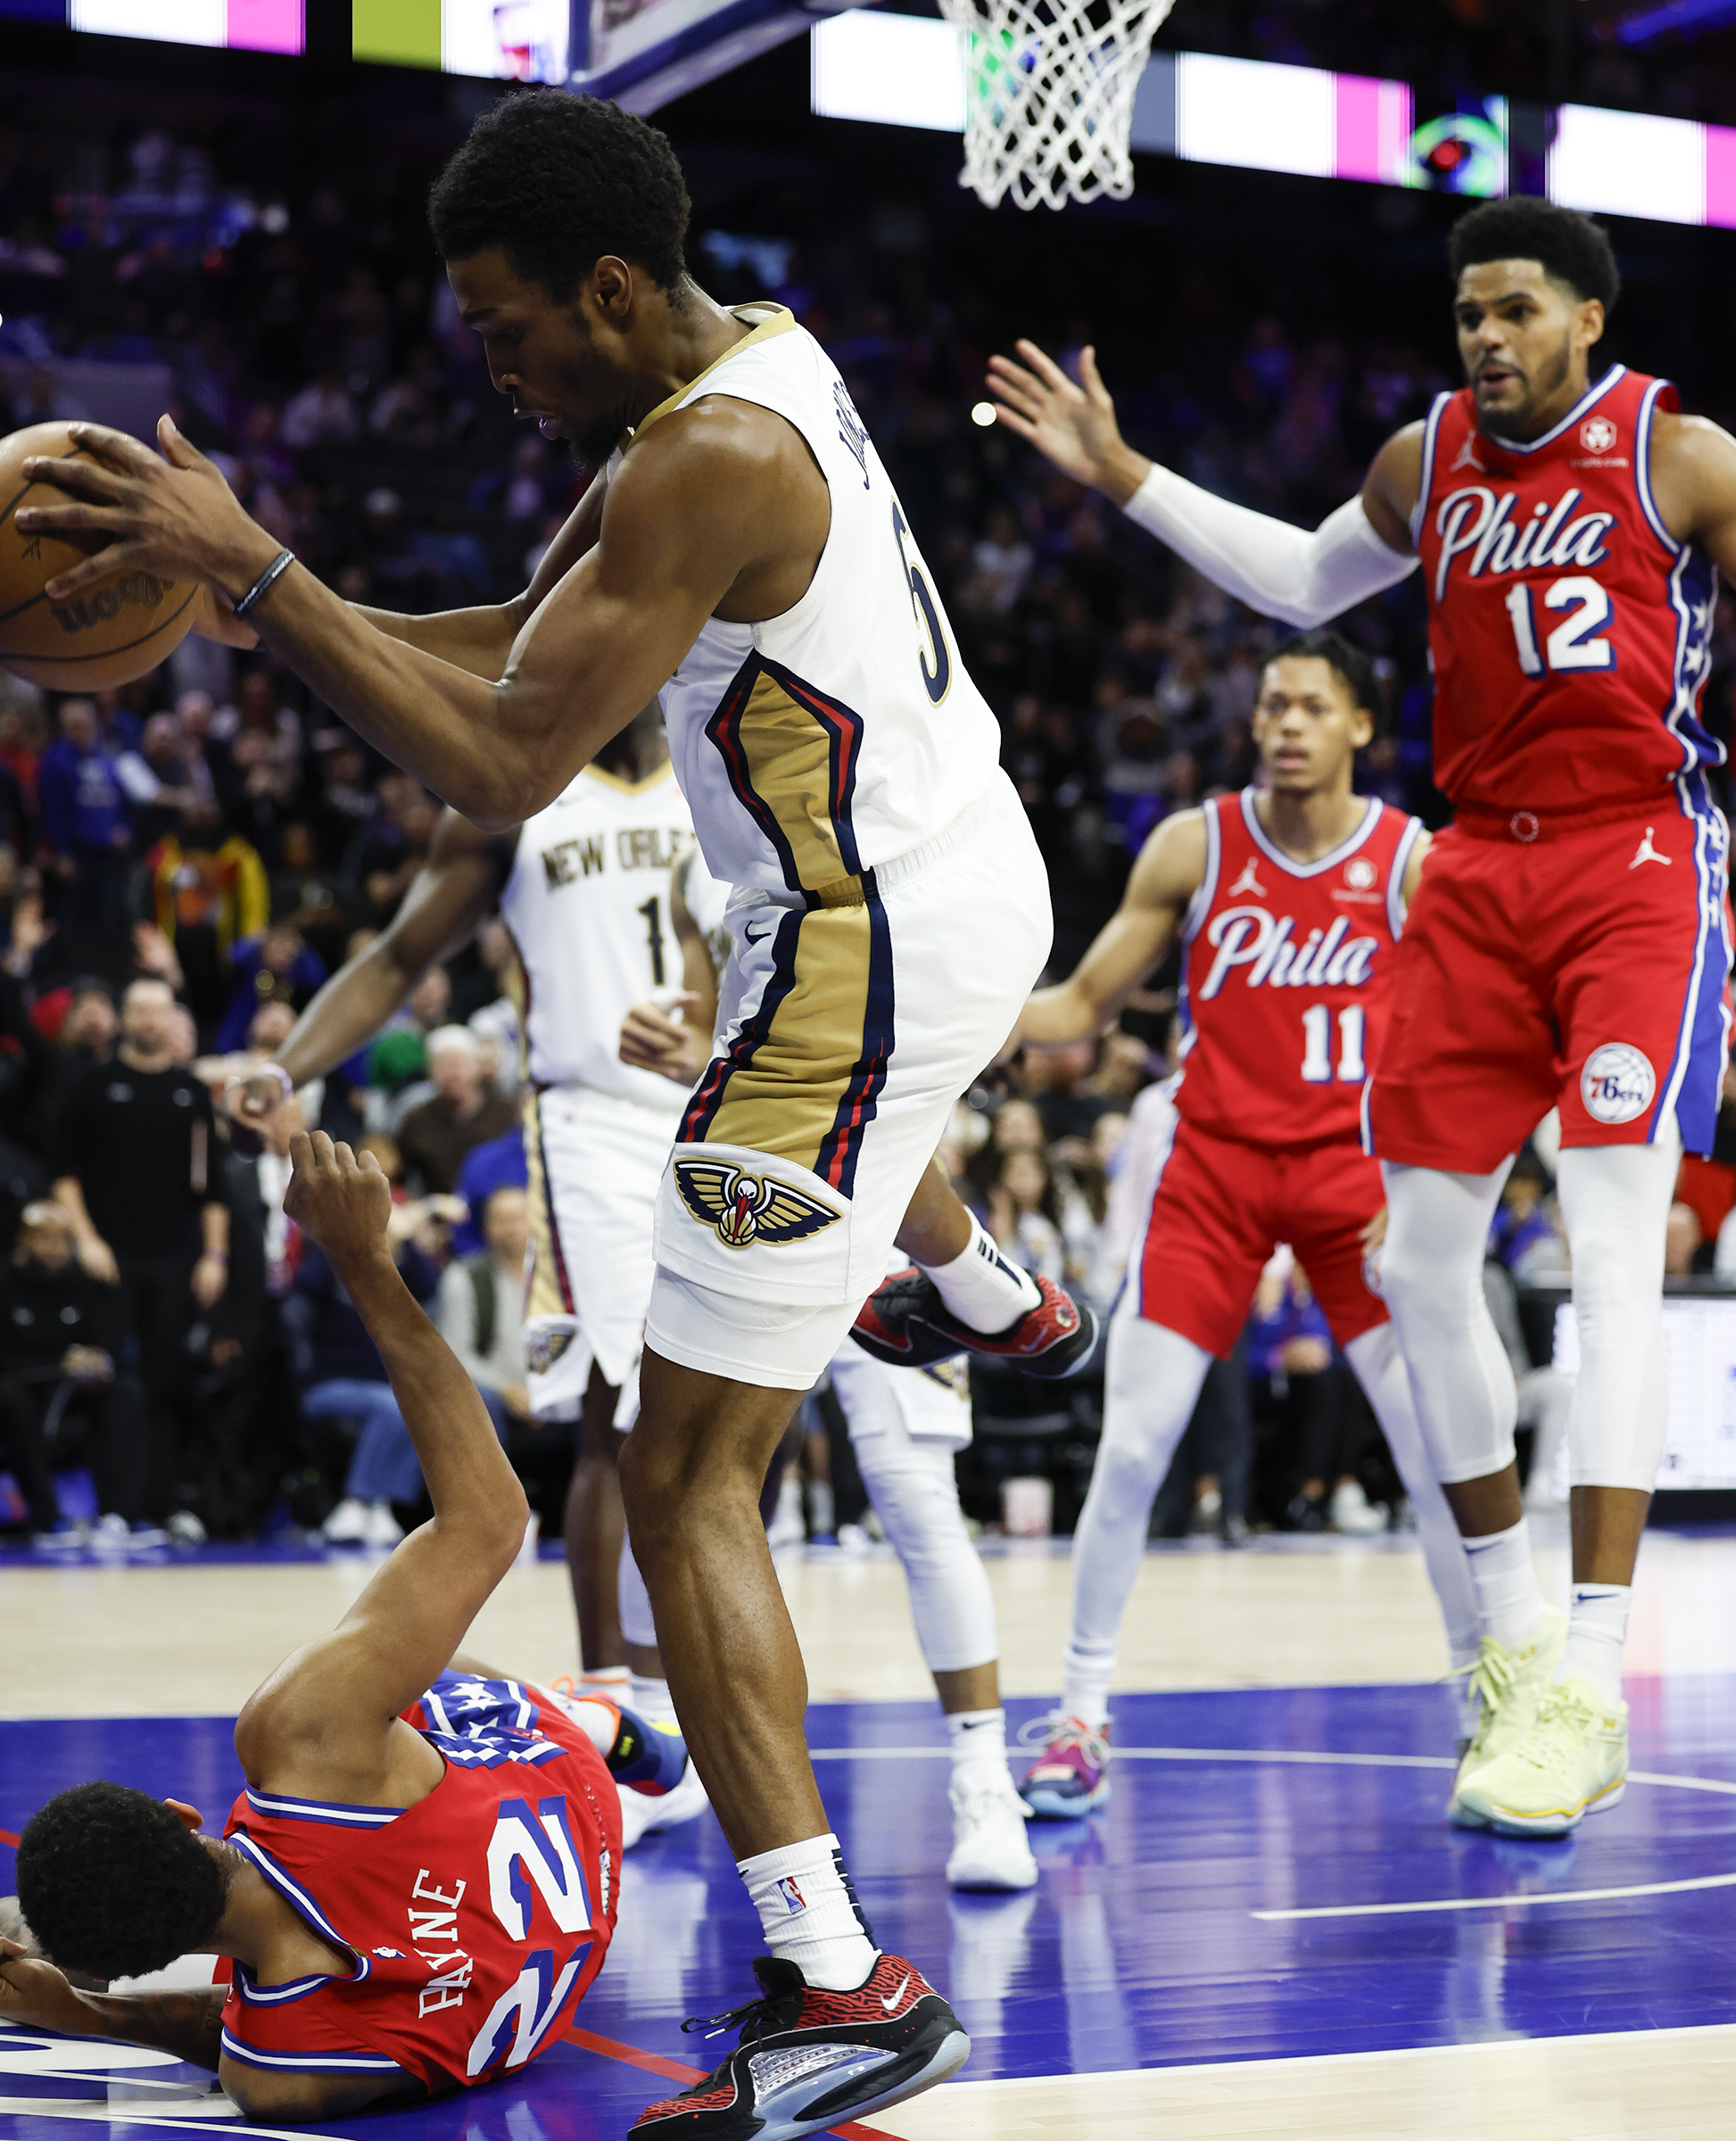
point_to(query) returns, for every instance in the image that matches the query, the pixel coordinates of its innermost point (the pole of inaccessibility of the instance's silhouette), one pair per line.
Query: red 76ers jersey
(477, 1918)
(1568, 630)
(1286, 975)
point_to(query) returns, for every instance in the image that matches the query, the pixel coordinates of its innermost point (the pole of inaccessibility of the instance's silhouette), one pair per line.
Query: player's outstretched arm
(448, 899)
(322, 1725)
(705, 501)
(1288, 573)
(1133, 941)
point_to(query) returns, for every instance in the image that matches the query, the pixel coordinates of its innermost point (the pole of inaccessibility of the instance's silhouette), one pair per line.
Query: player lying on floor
(420, 1882)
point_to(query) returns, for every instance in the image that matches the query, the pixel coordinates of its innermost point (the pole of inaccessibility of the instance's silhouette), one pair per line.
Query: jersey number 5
(936, 681)
(1572, 645)
(1317, 1045)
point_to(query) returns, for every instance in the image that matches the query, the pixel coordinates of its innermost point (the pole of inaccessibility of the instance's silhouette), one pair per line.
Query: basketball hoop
(1048, 96)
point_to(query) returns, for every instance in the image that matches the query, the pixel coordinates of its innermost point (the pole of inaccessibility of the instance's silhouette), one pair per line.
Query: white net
(1048, 96)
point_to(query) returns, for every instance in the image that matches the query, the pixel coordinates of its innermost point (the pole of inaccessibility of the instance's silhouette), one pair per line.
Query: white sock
(606, 1681)
(1597, 1628)
(981, 1287)
(1084, 1691)
(976, 1736)
(823, 1514)
(809, 1913)
(1509, 1601)
(650, 1698)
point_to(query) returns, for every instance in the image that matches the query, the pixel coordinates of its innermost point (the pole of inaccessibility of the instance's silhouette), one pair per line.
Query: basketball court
(1270, 1928)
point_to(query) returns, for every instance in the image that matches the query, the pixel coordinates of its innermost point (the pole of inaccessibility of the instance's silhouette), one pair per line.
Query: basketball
(110, 634)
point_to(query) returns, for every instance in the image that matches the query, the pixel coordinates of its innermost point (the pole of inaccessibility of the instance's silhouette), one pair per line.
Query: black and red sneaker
(806, 2060)
(905, 1321)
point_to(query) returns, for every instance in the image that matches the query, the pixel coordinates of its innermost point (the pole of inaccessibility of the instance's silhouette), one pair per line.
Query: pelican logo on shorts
(1360, 873)
(1597, 434)
(1618, 1083)
(544, 1348)
(750, 1208)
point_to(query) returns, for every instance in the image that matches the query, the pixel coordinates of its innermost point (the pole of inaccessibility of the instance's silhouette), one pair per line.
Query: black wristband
(279, 566)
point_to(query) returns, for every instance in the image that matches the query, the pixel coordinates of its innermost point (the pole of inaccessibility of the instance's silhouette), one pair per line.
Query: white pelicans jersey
(587, 904)
(844, 732)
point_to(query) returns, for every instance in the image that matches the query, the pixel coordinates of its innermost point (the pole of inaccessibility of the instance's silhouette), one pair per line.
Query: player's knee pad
(915, 1494)
(1615, 1203)
(633, 1602)
(1153, 1378)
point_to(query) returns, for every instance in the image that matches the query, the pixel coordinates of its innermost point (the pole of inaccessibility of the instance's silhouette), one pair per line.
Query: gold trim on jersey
(549, 1292)
(781, 322)
(665, 771)
(788, 756)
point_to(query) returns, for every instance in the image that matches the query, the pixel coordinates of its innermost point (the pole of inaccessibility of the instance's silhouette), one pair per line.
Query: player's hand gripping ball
(340, 1202)
(112, 630)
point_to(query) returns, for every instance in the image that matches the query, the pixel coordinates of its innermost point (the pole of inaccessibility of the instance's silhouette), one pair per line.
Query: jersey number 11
(1317, 1045)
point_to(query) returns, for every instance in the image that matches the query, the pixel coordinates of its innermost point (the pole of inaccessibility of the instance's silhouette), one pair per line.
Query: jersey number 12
(1575, 643)
(1317, 1045)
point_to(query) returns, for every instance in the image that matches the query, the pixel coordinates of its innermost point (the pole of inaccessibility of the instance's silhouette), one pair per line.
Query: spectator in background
(273, 967)
(85, 824)
(90, 1027)
(346, 1380)
(498, 1164)
(395, 847)
(61, 1402)
(464, 1112)
(481, 1309)
(134, 1167)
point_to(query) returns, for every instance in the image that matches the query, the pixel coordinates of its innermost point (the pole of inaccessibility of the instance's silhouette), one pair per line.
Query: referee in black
(136, 1166)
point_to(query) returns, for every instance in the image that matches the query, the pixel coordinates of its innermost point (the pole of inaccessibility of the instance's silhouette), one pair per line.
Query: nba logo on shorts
(792, 1896)
(1597, 434)
(1616, 1083)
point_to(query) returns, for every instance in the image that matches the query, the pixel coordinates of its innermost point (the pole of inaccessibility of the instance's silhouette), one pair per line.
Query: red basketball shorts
(1221, 1207)
(1586, 969)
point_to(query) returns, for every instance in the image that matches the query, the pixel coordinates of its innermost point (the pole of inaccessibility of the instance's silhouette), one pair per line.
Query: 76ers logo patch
(1597, 434)
(750, 1208)
(1618, 1083)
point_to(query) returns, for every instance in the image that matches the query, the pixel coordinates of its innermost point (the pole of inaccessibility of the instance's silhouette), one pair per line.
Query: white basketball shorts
(595, 1162)
(931, 1405)
(848, 1030)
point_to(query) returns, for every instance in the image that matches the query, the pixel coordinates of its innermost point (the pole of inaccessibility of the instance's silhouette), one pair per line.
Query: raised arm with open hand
(324, 1723)
(1074, 426)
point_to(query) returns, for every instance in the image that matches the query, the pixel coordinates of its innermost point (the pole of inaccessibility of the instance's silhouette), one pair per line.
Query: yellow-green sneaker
(1573, 1762)
(1508, 1685)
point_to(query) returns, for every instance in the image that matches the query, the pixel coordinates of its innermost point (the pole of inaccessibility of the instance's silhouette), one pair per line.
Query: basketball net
(1048, 96)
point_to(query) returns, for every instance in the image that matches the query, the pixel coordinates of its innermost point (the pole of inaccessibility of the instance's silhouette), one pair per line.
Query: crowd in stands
(184, 860)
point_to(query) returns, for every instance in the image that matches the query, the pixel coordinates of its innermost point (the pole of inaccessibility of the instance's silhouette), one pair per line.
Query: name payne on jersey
(1255, 938)
(636, 847)
(452, 1966)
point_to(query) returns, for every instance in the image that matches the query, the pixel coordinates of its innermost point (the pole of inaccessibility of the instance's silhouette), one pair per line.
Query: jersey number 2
(1317, 1045)
(1573, 644)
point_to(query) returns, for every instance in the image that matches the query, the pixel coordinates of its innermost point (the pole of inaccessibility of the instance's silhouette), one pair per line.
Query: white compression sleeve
(1616, 1204)
(1431, 1275)
(1380, 1367)
(633, 1602)
(1283, 572)
(1151, 1382)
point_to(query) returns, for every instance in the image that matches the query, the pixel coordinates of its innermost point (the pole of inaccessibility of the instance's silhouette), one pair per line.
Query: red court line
(674, 2070)
(6, 1837)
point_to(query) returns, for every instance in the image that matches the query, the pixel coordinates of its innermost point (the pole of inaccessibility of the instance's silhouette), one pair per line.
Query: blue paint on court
(1139, 1945)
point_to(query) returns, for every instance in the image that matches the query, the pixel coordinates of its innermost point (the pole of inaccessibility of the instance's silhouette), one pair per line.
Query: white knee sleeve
(1615, 1204)
(1431, 1273)
(635, 1602)
(1380, 1367)
(1151, 1382)
(912, 1485)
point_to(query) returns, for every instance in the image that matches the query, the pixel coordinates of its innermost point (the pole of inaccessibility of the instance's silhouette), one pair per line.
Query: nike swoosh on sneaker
(889, 2005)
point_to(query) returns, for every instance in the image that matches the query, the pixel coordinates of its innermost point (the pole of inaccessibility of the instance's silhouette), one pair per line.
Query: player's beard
(1546, 380)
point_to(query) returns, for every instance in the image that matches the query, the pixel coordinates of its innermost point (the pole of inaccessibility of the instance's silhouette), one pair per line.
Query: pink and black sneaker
(1072, 1774)
(905, 1322)
(807, 2060)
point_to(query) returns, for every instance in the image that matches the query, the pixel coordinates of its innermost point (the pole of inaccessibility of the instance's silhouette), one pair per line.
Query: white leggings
(1151, 1383)
(1615, 1204)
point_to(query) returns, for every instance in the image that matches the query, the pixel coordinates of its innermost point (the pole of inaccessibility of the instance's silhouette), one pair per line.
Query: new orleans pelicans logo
(748, 1208)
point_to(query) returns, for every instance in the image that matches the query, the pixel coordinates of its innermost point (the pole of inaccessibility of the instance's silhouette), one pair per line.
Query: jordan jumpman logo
(1649, 854)
(1247, 882)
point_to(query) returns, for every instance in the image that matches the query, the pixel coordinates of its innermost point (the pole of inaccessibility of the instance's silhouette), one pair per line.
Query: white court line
(1503, 1903)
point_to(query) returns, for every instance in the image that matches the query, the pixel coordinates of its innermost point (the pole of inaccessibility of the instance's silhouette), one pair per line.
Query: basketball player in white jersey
(583, 887)
(906, 1424)
(741, 554)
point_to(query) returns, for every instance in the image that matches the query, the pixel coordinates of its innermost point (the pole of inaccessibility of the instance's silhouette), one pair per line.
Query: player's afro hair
(111, 1883)
(1347, 662)
(1571, 248)
(555, 182)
